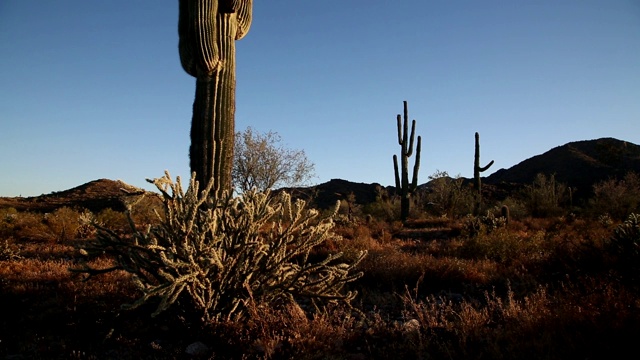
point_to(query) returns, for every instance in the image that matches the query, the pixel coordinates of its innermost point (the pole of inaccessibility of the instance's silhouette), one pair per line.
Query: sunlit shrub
(31, 226)
(63, 223)
(8, 250)
(145, 211)
(226, 258)
(111, 219)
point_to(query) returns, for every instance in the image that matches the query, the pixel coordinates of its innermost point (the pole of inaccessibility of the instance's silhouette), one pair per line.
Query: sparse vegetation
(544, 287)
(218, 261)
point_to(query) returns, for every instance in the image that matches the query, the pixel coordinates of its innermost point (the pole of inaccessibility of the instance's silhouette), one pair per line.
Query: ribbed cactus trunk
(404, 188)
(208, 30)
(477, 169)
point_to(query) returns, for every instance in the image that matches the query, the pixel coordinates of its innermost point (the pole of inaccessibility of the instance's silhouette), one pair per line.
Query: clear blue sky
(94, 89)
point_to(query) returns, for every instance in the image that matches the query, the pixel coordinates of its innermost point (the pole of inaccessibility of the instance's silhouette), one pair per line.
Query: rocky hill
(579, 164)
(95, 196)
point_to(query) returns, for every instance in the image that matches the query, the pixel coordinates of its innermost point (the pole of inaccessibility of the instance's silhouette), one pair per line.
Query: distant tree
(262, 162)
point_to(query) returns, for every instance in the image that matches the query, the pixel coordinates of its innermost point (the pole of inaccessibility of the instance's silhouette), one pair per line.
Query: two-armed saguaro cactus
(405, 188)
(476, 175)
(208, 30)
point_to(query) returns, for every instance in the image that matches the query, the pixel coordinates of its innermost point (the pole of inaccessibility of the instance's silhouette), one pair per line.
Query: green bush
(226, 258)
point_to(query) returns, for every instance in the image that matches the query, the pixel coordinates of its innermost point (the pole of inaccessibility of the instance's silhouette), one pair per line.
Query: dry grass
(539, 289)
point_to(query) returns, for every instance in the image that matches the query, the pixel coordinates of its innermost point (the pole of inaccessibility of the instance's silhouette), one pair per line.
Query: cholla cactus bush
(244, 251)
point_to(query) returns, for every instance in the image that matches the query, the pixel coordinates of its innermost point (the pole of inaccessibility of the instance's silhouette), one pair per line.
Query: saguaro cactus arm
(477, 169)
(416, 166)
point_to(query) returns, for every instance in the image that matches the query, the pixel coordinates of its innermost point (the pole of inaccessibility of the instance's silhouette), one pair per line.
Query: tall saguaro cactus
(405, 188)
(476, 175)
(208, 30)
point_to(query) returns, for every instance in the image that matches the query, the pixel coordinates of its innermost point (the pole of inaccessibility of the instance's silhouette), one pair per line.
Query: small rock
(197, 349)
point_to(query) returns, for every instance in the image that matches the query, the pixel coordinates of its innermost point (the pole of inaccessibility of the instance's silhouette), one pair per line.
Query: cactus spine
(207, 32)
(404, 188)
(476, 175)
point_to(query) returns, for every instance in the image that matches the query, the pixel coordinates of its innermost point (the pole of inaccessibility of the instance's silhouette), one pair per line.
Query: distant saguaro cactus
(504, 212)
(207, 32)
(405, 188)
(476, 175)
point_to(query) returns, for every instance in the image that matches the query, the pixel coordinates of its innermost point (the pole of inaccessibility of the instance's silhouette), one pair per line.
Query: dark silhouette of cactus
(405, 188)
(208, 30)
(476, 175)
(504, 212)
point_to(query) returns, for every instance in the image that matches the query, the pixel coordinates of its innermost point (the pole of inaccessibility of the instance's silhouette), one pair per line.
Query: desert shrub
(225, 258)
(8, 250)
(625, 246)
(460, 330)
(63, 223)
(145, 209)
(617, 198)
(112, 219)
(7, 221)
(473, 226)
(31, 226)
(504, 246)
(385, 207)
(517, 209)
(545, 196)
(86, 225)
(448, 196)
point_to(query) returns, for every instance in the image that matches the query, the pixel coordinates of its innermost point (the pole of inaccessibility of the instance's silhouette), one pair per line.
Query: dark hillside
(579, 164)
(95, 196)
(328, 193)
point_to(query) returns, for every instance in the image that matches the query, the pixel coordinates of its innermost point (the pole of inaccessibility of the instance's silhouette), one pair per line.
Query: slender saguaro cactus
(476, 174)
(403, 187)
(208, 30)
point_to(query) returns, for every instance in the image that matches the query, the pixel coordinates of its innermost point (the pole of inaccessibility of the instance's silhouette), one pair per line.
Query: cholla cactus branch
(251, 249)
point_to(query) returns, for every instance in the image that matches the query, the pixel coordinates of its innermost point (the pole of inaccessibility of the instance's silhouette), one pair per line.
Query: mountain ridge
(578, 164)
